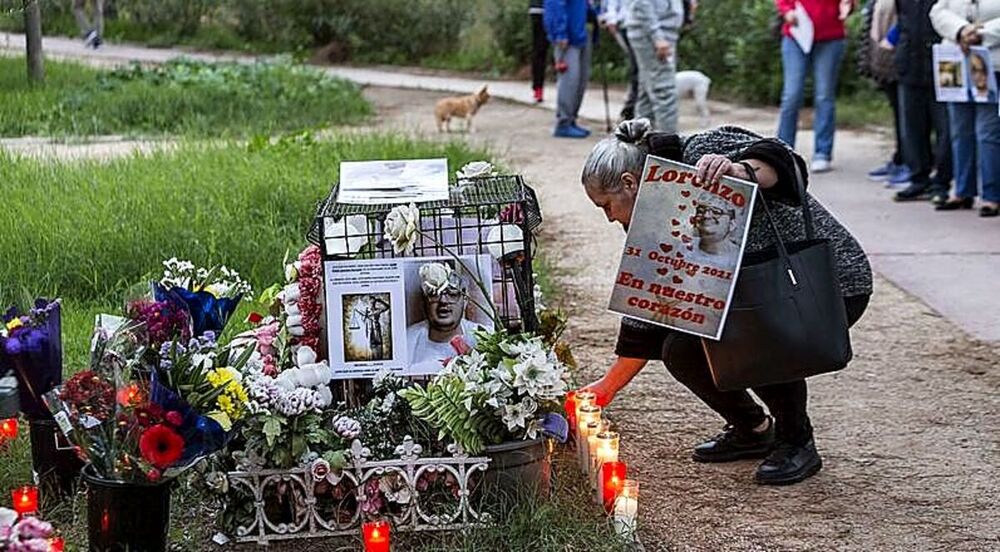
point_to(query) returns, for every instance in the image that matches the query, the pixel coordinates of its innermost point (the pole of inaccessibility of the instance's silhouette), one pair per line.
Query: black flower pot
(124, 516)
(53, 459)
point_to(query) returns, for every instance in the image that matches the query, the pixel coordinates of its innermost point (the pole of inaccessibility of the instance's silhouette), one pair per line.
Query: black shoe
(939, 198)
(987, 211)
(735, 444)
(955, 204)
(913, 192)
(789, 464)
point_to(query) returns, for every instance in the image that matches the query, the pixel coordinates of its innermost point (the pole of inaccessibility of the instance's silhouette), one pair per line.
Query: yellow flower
(15, 323)
(222, 418)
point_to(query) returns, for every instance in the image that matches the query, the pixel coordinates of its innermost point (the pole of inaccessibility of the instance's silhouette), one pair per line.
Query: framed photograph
(982, 80)
(403, 314)
(683, 249)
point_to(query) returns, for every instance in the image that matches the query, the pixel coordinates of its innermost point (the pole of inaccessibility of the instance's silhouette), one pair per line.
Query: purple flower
(30, 545)
(35, 340)
(12, 346)
(33, 528)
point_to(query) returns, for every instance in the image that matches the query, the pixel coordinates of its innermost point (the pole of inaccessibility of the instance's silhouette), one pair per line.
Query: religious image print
(683, 249)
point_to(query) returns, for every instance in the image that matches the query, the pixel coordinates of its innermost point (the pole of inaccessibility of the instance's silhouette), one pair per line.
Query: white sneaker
(820, 166)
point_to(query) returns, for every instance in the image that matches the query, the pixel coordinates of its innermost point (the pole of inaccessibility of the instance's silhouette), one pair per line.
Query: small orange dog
(464, 107)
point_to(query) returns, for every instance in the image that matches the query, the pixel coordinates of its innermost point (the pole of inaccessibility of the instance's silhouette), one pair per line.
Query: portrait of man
(981, 89)
(949, 74)
(715, 226)
(367, 336)
(444, 295)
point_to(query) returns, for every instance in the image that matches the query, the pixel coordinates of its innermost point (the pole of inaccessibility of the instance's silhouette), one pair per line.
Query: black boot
(735, 444)
(789, 464)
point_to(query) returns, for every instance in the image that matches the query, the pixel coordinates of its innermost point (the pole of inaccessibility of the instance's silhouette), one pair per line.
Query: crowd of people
(948, 153)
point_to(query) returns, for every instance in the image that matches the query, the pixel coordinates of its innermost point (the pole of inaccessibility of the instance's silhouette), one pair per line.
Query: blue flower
(555, 426)
(208, 312)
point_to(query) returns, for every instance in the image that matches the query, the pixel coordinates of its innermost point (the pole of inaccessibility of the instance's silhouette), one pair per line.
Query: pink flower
(33, 528)
(175, 418)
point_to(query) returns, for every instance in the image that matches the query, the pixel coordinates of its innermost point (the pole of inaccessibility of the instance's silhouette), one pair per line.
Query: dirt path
(909, 433)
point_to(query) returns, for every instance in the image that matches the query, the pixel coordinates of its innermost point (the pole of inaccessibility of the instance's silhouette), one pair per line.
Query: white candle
(626, 509)
(586, 432)
(586, 415)
(603, 449)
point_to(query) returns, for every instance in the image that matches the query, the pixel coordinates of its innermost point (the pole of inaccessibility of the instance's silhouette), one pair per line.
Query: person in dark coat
(611, 177)
(920, 113)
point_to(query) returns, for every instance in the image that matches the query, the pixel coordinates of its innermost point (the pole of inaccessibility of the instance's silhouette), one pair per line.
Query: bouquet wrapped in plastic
(31, 348)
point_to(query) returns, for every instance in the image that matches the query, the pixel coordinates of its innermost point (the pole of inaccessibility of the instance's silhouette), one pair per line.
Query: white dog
(696, 84)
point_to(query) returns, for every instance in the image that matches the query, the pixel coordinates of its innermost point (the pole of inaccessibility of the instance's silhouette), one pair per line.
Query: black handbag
(787, 319)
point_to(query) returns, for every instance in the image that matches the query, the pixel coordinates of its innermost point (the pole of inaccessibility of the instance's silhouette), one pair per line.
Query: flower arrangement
(210, 295)
(27, 534)
(31, 346)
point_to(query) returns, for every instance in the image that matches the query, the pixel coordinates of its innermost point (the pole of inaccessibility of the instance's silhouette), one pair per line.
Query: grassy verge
(181, 97)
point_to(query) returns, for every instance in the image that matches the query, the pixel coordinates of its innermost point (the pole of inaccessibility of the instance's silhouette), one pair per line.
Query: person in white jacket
(975, 127)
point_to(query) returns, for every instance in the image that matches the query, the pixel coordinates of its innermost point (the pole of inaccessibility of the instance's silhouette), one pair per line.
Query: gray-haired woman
(611, 180)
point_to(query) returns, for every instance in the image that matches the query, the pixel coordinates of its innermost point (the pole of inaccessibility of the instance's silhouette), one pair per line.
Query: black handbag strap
(800, 189)
(780, 243)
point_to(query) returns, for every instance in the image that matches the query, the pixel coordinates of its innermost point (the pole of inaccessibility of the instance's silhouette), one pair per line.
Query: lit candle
(586, 414)
(376, 535)
(25, 499)
(570, 407)
(612, 481)
(8, 429)
(592, 445)
(592, 428)
(626, 508)
(582, 399)
(605, 449)
(56, 544)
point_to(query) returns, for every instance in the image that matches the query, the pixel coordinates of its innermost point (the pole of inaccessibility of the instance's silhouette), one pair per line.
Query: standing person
(611, 178)
(613, 19)
(975, 127)
(653, 29)
(919, 111)
(91, 33)
(875, 61)
(827, 51)
(539, 48)
(566, 27)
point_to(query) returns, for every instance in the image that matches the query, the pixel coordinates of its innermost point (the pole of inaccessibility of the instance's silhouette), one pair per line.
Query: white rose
(291, 272)
(435, 278)
(292, 309)
(304, 356)
(401, 228)
(476, 168)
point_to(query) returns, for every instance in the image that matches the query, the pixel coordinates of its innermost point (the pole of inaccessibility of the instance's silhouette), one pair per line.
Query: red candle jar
(612, 481)
(25, 499)
(56, 544)
(8, 429)
(376, 535)
(570, 406)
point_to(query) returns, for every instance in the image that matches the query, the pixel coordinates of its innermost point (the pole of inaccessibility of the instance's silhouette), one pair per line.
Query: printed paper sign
(982, 79)
(387, 313)
(949, 74)
(683, 249)
(401, 181)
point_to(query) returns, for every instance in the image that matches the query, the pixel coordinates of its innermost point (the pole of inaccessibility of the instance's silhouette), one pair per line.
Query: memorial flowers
(210, 295)
(31, 346)
(402, 227)
(26, 534)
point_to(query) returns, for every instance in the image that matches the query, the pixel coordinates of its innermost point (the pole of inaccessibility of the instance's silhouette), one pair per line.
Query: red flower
(153, 475)
(161, 446)
(175, 418)
(255, 318)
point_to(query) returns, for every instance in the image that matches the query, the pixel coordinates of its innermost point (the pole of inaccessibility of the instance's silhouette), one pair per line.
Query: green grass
(182, 97)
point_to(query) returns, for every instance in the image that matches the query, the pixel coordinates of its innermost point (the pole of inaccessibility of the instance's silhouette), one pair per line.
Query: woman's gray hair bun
(633, 131)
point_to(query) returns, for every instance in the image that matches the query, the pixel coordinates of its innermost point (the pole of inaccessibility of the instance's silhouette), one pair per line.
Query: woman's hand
(662, 50)
(970, 36)
(713, 167)
(791, 18)
(604, 390)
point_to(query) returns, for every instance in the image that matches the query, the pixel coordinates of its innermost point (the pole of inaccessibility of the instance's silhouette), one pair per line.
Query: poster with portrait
(401, 314)
(982, 80)
(683, 249)
(950, 82)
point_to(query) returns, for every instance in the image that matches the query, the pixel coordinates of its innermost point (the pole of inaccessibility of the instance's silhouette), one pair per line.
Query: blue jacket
(567, 20)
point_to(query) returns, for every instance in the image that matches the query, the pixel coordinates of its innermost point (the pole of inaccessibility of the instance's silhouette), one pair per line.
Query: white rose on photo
(476, 169)
(435, 278)
(401, 228)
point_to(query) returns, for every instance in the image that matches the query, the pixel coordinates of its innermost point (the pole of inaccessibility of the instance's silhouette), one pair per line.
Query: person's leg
(645, 57)
(99, 17)
(988, 138)
(826, 57)
(685, 359)
(664, 95)
(914, 114)
(567, 103)
(794, 63)
(962, 118)
(586, 54)
(628, 109)
(893, 96)
(79, 12)
(944, 167)
(787, 404)
(539, 51)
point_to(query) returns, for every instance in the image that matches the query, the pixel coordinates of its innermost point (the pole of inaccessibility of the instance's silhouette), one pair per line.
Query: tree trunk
(33, 35)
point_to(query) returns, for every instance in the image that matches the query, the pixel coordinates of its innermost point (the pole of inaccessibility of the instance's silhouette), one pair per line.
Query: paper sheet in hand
(683, 249)
(803, 31)
(950, 83)
(388, 181)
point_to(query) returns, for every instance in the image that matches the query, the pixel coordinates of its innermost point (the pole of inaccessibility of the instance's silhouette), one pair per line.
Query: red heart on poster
(686, 193)
(682, 207)
(678, 280)
(694, 202)
(691, 220)
(675, 222)
(689, 247)
(666, 247)
(680, 255)
(686, 239)
(663, 271)
(675, 233)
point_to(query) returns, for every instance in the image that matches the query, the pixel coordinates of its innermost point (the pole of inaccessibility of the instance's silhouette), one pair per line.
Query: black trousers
(539, 51)
(919, 115)
(891, 90)
(628, 109)
(686, 361)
